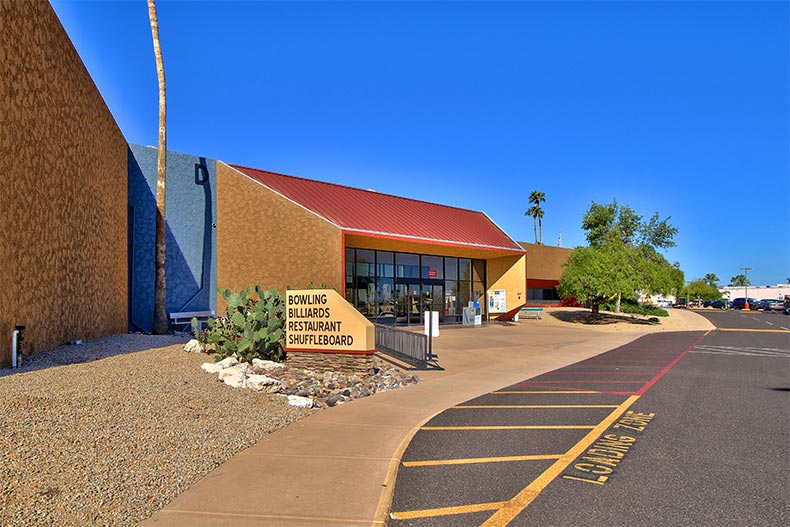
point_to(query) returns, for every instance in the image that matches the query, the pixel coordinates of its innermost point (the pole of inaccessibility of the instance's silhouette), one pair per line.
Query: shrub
(633, 307)
(252, 326)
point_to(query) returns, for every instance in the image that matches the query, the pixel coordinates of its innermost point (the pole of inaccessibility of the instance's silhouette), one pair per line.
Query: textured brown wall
(545, 261)
(265, 239)
(63, 196)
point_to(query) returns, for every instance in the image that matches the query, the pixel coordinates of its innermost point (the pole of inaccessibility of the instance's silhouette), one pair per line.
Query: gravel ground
(109, 432)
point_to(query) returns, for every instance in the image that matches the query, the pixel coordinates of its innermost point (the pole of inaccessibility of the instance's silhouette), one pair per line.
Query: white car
(664, 303)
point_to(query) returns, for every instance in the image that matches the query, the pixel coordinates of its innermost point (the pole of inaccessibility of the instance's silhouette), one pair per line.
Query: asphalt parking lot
(490, 456)
(683, 428)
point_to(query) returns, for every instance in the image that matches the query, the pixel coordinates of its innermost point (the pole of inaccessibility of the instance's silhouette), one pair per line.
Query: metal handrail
(404, 345)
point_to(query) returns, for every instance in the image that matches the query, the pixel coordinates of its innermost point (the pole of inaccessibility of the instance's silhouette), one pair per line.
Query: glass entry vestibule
(396, 288)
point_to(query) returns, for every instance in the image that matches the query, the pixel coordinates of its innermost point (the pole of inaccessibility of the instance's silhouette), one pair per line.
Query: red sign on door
(433, 273)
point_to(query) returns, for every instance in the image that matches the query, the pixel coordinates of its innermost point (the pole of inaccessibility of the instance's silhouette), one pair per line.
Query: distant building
(760, 292)
(544, 270)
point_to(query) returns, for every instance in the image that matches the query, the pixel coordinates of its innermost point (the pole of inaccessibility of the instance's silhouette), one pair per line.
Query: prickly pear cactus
(252, 325)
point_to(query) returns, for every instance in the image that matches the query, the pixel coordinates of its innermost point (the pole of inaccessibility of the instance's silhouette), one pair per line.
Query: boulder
(193, 346)
(304, 402)
(267, 364)
(211, 367)
(227, 362)
(259, 382)
(235, 376)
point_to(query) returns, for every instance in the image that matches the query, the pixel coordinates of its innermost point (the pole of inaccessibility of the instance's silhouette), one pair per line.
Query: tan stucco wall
(266, 239)
(509, 273)
(63, 197)
(398, 245)
(544, 261)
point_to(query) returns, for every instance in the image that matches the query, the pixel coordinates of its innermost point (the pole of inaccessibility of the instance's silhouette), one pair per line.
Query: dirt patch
(574, 317)
(582, 316)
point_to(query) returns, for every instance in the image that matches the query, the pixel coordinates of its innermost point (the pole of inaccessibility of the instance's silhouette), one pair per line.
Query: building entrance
(397, 288)
(413, 298)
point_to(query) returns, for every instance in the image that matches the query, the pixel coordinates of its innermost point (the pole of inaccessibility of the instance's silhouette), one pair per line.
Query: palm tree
(711, 279)
(535, 199)
(533, 211)
(160, 286)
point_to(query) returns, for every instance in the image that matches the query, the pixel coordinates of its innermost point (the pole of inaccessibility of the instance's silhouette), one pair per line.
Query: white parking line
(745, 350)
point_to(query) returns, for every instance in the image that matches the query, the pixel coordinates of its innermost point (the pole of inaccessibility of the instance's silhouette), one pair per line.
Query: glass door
(433, 299)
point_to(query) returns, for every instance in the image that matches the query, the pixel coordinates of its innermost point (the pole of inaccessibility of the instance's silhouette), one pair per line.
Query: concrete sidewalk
(338, 467)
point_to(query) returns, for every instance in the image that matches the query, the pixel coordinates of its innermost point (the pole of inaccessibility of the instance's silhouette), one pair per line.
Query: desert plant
(252, 326)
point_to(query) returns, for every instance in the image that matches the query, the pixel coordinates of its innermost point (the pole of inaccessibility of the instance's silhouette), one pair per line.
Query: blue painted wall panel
(191, 236)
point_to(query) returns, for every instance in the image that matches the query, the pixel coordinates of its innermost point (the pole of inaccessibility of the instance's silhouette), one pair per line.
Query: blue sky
(675, 107)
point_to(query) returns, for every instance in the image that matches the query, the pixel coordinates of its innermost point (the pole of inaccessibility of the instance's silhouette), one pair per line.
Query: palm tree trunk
(535, 227)
(540, 225)
(160, 286)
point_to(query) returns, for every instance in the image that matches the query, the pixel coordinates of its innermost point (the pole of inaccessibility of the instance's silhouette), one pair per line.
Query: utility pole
(746, 286)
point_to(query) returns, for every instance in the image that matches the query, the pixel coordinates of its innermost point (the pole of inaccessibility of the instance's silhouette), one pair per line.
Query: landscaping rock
(304, 402)
(324, 388)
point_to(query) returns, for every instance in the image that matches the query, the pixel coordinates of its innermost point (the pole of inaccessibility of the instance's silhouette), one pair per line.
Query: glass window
(432, 267)
(478, 270)
(464, 269)
(366, 299)
(451, 268)
(407, 265)
(452, 306)
(365, 263)
(384, 264)
(349, 264)
(385, 297)
(350, 293)
(479, 293)
(464, 293)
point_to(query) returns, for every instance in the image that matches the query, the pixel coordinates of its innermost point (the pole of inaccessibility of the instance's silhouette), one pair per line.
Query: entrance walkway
(337, 467)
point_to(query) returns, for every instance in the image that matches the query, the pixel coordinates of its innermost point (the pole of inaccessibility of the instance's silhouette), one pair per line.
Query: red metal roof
(369, 212)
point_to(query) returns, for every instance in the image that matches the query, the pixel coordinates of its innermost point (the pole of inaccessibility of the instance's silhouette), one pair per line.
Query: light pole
(746, 286)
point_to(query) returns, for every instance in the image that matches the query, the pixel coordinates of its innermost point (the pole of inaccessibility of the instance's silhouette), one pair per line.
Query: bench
(531, 312)
(185, 318)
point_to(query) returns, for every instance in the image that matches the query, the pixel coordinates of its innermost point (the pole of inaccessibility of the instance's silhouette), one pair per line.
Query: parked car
(680, 303)
(771, 304)
(739, 303)
(718, 304)
(664, 303)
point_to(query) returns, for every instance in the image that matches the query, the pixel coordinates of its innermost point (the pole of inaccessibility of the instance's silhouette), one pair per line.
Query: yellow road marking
(446, 511)
(756, 330)
(512, 427)
(540, 406)
(521, 501)
(543, 392)
(465, 461)
(600, 481)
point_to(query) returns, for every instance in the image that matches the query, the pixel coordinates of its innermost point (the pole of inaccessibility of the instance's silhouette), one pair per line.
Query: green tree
(536, 197)
(619, 238)
(597, 274)
(739, 280)
(602, 222)
(160, 251)
(711, 279)
(700, 288)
